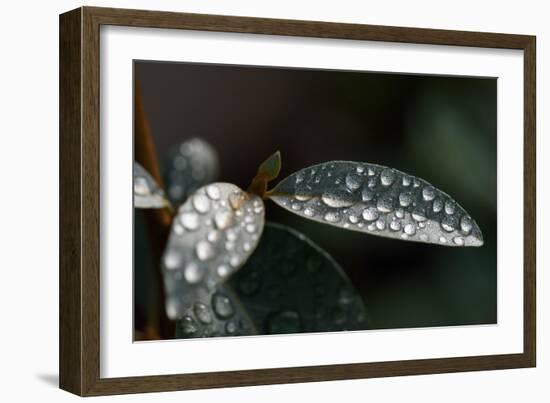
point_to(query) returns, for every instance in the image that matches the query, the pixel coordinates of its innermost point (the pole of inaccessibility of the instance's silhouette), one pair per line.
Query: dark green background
(442, 129)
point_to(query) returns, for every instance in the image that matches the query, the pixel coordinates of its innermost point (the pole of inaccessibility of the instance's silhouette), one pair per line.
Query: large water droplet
(353, 219)
(367, 194)
(448, 223)
(178, 229)
(201, 203)
(458, 241)
(213, 236)
(251, 228)
(303, 194)
(235, 260)
(223, 270)
(213, 192)
(202, 313)
(309, 211)
(437, 205)
(353, 181)
(232, 235)
(428, 193)
(172, 260)
(405, 199)
(406, 181)
(385, 204)
(381, 224)
(222, 306)
(395, 226)
(193, 273)
(187, 325)
(387, 177)
(190, 220)
(204, 250)
(332, 216)
(284, 322)
(360, 169)
(419, 214)
(450, 207)
(410, 229)
(230, 327)
(466, 224)
(370, 214)
(338, 198)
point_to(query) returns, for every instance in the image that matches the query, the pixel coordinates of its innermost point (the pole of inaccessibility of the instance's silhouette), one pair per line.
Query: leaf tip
(271, 167)
(476, 239)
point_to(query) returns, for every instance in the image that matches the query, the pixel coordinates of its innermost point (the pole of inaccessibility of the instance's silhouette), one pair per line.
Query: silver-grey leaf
(147, 193)
(377, 200)
(212, 236)
(191, 164)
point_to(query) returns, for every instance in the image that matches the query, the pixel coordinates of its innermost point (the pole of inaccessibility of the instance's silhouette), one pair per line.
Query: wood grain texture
(70, 274)
(79, 200)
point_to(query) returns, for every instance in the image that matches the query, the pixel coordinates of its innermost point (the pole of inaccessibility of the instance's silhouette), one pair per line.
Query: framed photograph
(249, 201)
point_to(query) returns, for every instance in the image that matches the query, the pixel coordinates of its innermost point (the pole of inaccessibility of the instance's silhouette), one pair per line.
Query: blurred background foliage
(442, 129)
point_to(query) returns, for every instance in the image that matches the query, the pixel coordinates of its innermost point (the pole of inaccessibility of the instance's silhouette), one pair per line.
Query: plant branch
(159, 221)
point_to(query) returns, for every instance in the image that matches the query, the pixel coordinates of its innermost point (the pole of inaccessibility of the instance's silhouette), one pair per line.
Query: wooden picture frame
(80, 200)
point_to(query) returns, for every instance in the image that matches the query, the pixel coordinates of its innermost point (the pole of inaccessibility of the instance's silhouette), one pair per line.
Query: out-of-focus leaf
(291, 285)
(147, 194)
(191, 165)
(212, 236)
(377, 200)
(214, 314)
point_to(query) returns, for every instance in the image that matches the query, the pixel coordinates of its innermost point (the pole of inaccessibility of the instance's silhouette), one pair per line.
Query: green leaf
(271, 167)
(147, 193)
(212, 236)
(291, 285)
(377, 200)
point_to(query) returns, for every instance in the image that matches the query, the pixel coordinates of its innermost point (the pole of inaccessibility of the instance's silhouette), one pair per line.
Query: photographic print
(250, 201)
(272, 200)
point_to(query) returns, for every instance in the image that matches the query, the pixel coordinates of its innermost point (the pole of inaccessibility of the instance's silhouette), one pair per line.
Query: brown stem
(159, 221)
(258, 186)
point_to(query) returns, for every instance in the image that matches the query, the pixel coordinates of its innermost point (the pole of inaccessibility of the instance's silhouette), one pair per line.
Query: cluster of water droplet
(217, 316)
(212, 235)
(290, 285)
(191, 165)
(377, 199)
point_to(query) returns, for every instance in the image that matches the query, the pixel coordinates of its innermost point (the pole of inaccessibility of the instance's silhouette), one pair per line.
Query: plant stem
(159, 221)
